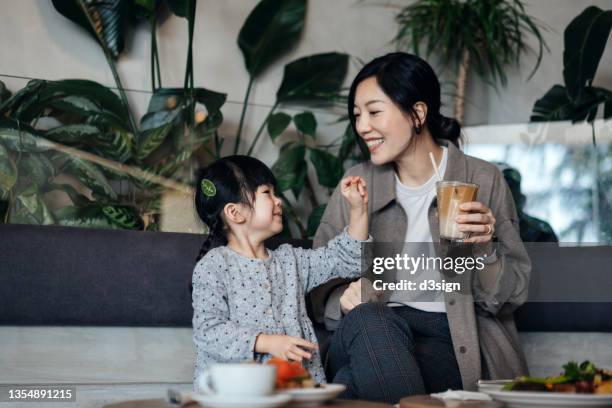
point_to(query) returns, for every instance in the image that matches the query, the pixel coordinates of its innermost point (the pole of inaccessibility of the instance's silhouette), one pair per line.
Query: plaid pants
(386, 353)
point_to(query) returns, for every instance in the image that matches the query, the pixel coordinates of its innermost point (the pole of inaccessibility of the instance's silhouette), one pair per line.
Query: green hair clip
(208, 188)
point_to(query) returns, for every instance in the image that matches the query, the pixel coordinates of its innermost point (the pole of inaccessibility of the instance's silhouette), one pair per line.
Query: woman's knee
(372, 317)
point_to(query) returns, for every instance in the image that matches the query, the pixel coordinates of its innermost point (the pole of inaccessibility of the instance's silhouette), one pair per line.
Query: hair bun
(447, 128)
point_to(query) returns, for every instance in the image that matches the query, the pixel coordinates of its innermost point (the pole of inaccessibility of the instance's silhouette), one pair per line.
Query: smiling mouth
(373, 144)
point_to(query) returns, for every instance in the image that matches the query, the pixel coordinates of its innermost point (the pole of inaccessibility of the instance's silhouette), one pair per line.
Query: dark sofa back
(68, 276)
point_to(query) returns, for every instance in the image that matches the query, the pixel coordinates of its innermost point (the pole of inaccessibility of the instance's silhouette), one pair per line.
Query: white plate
(528, 399)
(217, 401)
(312, 397)
(492, 385)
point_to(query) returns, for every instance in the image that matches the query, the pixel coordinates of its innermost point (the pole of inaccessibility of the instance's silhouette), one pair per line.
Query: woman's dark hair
(235, 180)
(407, 79)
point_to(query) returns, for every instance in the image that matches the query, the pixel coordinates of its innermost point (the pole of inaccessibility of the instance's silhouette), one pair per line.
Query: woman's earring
(417, 129)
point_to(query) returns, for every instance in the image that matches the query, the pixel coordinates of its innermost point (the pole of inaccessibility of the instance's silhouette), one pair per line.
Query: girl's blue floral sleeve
(216, 337)
(340, 258)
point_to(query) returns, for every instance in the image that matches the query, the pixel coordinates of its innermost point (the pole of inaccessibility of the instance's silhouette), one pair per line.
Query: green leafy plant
(585, 40)
(485, 36)
(93, 136)
(86, 131)
(578, 100)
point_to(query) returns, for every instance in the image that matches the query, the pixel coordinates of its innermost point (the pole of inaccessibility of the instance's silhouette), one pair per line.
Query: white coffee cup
(235, 379)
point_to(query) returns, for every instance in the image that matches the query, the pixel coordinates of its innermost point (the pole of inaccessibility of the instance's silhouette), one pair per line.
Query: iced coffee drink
(451, 194)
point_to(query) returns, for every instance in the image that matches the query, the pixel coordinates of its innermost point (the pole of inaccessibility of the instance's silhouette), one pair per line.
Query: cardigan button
(462, 349)
(451, 302)
(266, 285)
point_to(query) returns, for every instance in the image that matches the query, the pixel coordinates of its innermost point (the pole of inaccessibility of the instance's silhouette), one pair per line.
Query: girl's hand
(354, 190)
(480, 222)
(284, 347)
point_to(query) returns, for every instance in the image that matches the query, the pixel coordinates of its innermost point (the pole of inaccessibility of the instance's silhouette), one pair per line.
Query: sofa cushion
(53, 275)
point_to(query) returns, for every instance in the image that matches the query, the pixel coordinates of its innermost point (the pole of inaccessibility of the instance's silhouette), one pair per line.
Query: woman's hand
(480, 222)
(354, 190)
(358, 292)
(284, 347)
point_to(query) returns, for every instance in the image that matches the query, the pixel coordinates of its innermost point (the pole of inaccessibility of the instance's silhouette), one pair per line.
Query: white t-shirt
(416, 201)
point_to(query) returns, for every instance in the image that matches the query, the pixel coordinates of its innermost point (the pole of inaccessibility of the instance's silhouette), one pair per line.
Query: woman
(385, 351)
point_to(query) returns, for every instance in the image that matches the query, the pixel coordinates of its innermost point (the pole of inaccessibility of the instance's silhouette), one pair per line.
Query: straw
(435, 167)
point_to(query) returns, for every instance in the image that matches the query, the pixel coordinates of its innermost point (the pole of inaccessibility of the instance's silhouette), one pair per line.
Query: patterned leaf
(151, 139)
(123, 216)
(31, 209)
(90, 175)
(8, 170)
(72, 134)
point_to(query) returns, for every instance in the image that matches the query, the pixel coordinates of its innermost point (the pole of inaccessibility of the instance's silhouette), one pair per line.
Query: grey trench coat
(482, 329)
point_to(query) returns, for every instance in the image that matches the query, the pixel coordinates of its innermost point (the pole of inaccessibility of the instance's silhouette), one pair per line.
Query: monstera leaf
(272, 28)
(316, 77)
(109, 18)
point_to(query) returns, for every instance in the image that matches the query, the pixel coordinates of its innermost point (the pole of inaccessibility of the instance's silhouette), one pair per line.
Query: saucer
(312, 397)
(222, 401)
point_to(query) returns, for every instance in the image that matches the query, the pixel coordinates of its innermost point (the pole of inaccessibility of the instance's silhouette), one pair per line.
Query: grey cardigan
(482, 329)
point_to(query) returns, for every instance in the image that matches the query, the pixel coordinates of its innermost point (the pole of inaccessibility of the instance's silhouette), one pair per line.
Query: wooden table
(160, 403)
(425, 401)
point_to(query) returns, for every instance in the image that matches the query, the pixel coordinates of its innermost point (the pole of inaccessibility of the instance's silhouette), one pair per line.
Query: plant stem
(458, 111)
(113, 68)
(242, 115)
(261, 128)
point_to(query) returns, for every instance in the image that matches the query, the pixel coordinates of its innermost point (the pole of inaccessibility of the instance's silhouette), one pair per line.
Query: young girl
(248, 301)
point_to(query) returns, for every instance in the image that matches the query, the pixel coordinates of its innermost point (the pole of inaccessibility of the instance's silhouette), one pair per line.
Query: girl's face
(385, 128)
(267, 212)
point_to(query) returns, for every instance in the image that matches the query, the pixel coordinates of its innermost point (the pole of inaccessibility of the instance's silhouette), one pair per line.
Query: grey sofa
(56, 279)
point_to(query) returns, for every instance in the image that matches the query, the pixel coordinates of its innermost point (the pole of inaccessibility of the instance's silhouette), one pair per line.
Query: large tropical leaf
(328, 167)
(277, 123)
(22, 138)
(89, 216)
(109, 18)
(8, 170)
(72, 134)
(151, 139)
(72, 95)
(272, 28)
(306, 123)
(90, 175)
(123, 216)
(290, 168)
(585, 41)
(37, 168)
(316, 77)
(31, 209)
(556, 105)
(116, 145)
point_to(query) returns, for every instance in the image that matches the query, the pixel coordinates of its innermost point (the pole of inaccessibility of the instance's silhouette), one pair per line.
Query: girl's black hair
(236, 179)
(407, 79)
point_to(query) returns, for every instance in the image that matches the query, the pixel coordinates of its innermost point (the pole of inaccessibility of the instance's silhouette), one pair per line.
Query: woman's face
(385, 128)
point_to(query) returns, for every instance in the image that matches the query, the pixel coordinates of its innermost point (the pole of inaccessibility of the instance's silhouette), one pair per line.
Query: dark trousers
(386, 353)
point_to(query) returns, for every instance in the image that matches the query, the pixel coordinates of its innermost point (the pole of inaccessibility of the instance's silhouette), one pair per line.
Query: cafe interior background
(103, 129)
